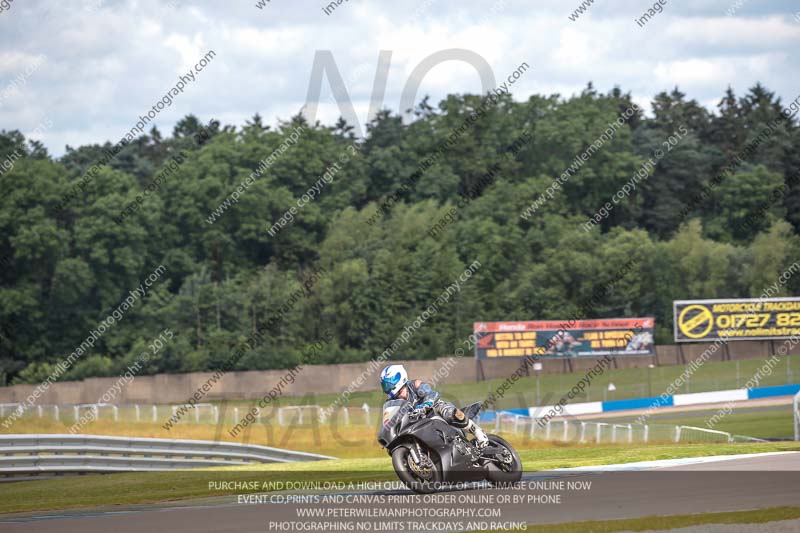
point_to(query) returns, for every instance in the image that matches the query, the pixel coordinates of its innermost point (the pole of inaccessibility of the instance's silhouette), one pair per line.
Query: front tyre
(508, 467)
(422, 479)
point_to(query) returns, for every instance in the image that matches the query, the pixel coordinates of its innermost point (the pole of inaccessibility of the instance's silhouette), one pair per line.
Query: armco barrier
(697, 398)
(28, 454)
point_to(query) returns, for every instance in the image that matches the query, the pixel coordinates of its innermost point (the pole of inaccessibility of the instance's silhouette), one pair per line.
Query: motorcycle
(428, 453)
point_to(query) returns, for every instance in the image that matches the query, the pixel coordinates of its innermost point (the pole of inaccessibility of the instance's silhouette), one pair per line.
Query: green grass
(629, 383)
(759, 516)
(568, 456)
(140, 488)
(764, 424)
(325, 439)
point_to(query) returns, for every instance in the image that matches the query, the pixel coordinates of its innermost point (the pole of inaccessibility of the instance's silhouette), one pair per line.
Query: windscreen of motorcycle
(391, 408)
(391, 415)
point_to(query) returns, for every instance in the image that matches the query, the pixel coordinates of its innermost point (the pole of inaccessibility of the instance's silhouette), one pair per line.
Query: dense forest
(716, 216)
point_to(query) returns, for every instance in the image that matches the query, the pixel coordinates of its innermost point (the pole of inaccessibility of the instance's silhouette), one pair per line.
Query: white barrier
(26, 454)
(719, 396)
(570, 409)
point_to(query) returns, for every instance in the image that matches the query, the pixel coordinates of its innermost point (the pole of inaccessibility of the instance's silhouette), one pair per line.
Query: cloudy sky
(92, 67)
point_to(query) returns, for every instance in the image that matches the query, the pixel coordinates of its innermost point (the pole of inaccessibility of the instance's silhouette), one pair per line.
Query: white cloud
(693, 71)
(105, 67)
(190, 49)
(575, 48)
(755, 33)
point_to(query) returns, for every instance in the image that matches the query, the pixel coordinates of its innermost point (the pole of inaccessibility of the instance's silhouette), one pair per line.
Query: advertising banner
(560, 339)
(736, 319)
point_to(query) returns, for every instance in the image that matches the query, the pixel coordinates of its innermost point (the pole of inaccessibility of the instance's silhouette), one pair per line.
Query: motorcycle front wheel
(401, 461)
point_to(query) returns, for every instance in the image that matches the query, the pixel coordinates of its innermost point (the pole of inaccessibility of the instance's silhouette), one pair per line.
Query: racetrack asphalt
(684, 486)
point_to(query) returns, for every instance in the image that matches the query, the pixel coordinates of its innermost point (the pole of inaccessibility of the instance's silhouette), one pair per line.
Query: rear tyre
(401, 461)
(509, 469)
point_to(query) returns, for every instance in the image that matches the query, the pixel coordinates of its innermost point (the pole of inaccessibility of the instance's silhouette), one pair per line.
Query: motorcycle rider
(395, 383)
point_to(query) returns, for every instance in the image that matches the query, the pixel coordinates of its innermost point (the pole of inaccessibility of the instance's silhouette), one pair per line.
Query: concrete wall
(177, 388)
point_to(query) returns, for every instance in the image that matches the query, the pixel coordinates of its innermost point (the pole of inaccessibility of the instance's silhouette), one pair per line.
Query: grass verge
(139, 488)
(758, 422)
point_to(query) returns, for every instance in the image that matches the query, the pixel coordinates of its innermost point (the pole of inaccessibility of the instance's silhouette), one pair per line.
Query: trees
(227, 279)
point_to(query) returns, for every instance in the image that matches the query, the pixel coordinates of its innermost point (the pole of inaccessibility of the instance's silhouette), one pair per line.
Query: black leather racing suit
(423, 396)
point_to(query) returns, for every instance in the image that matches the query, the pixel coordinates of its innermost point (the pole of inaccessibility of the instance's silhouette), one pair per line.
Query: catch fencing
(201, 413)
(578, 431)
(566, 430)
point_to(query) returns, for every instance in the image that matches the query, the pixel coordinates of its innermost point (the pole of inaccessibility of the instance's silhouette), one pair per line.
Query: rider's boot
(458, 418)
(481, 440)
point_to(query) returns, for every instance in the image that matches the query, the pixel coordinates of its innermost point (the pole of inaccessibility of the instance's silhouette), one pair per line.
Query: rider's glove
(423, 408)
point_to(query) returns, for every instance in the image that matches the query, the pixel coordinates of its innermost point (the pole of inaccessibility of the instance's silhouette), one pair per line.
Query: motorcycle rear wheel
(514, 471)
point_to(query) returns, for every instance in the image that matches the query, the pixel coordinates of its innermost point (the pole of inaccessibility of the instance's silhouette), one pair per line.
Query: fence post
(56, 413)
(136, 407)
(516, 424)
(346, 417)
(613, 433)
(583, 432)
(598, 431)
(280, 416)
(646, 432)
(630, 433)
(115, 410)
(155, 412)
(216, 414)
(236, 414)
(677, 433)
(75, 413)
(566, 430)
(533, 427)
(547, 433)
(39, 411)
(196, 414)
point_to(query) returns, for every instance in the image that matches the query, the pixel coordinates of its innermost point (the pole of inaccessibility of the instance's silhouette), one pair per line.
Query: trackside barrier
(206, 413)
(201, 413)
(697, 398)
(298, 411)
(28, 454)
(606, 432)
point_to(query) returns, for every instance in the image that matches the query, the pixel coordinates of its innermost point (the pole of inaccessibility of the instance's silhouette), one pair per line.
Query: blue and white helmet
(393, 378)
